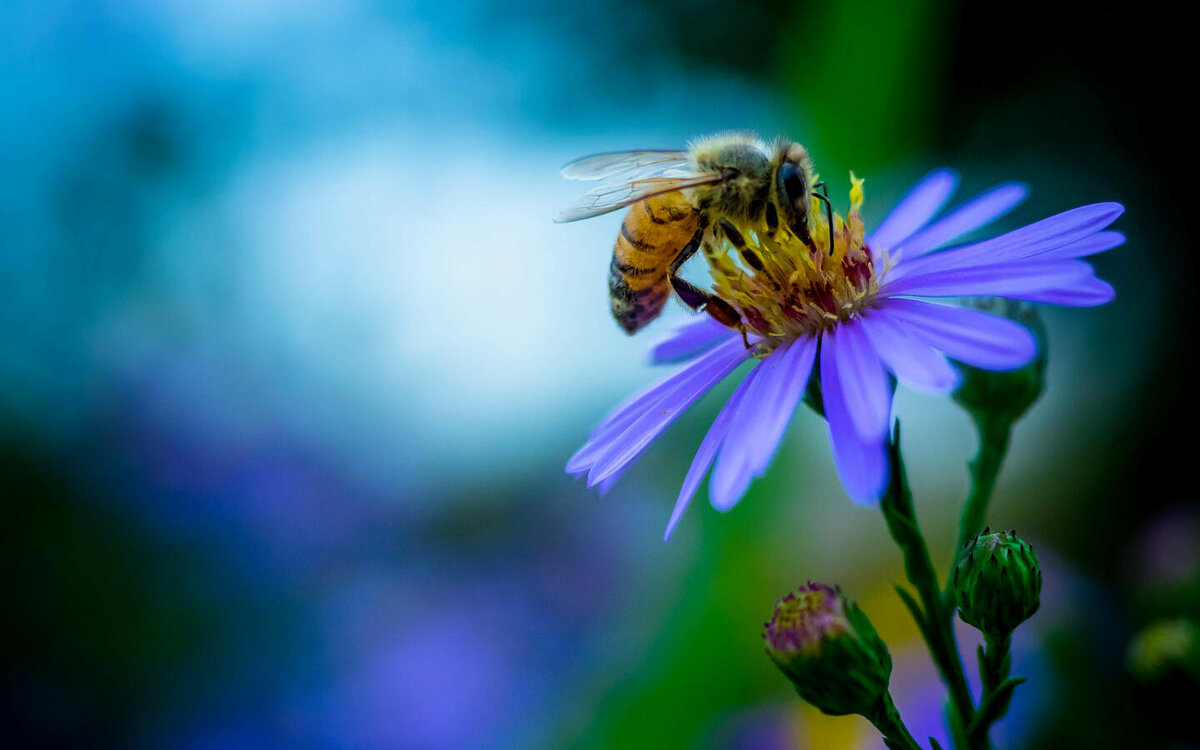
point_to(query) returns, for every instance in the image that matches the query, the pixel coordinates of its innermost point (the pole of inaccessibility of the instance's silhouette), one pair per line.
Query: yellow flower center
(799, 290)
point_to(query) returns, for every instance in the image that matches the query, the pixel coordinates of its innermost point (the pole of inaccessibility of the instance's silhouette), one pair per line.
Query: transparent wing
(616, 194)
(599, 166)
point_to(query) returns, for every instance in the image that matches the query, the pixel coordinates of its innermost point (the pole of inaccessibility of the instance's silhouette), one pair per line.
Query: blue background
(295, 357)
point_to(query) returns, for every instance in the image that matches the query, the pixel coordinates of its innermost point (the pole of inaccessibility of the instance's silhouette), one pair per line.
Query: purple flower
(851, 315)
(804, 619)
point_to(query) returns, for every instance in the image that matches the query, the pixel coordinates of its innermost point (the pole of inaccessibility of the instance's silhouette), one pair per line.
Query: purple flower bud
(830, 651)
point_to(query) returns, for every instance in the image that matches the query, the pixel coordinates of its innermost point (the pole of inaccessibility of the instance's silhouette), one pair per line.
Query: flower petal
(619, 419)
(630, 444)
(603, 488)
(972, 215)
(760, 423)
(914, 362)
(635, 405)
(1011, 280)
(864, 381)
(688, 340)
(581, 461)
(862, 464)
(1049, 233)
(1071, 234)
(1096, 243)
(705, 453)
(1086, 293)
(798, 368)
(916, 209)
(732, 475)
(976, 338)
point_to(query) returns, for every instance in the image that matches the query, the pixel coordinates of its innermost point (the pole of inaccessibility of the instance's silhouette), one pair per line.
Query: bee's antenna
(823, 196)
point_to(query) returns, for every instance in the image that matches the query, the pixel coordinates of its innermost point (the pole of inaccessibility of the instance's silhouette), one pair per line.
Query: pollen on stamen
(794, 290)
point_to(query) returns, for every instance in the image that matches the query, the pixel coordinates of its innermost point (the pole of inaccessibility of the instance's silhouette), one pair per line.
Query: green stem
(995, 663)
(993, 444)
(994, 434)
(935, 615)
(887, 720)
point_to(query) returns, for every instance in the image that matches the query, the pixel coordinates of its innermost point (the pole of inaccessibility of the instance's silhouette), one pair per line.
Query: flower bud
(1005, 396)
(828, 648)
(996, 582)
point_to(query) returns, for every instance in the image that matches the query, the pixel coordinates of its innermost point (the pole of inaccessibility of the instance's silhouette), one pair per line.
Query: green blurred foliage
(865, 79)
(704, 654)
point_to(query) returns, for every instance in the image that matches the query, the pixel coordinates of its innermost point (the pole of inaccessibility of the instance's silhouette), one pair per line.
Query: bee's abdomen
(634, 307)
(654, 232)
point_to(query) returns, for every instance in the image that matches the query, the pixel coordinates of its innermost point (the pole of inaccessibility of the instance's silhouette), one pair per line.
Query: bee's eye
(793, 182)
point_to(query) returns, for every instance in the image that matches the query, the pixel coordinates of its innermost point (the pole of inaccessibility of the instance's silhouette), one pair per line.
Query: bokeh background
(295, 357)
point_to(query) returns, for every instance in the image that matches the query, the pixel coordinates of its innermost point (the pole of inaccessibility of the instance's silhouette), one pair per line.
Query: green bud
(996, 582)
(1005, 396)
(830, 651)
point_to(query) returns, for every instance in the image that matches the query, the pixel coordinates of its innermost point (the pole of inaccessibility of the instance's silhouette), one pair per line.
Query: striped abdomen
(653, 234)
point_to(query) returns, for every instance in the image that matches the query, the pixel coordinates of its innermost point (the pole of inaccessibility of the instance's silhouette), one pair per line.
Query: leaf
(994, 706)
(958, 735)
(984, 673)
(915, 609)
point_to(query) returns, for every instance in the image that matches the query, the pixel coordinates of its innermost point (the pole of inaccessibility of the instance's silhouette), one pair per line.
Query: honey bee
(680, 199)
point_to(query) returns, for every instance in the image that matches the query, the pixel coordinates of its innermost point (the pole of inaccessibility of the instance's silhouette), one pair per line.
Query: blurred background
(296, 358)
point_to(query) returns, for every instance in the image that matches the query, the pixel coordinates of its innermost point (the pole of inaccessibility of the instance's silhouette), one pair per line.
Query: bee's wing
(599, 166)
(613, 194)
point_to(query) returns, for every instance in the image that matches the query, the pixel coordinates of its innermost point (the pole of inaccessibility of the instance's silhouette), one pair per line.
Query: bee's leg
(771, 216)
(739, 242)
(805, 235)
(700, 300)
(720, 310)
(684, 256)
(800, 229)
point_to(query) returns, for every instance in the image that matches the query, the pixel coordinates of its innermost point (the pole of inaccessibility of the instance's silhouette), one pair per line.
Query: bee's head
(790, 189)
